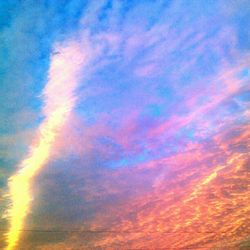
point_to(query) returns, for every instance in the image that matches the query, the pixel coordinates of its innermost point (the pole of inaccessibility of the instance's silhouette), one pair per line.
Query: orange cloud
(200, 198)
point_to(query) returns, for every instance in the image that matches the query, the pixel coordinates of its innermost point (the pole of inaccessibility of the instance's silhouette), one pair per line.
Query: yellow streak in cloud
(59, 102)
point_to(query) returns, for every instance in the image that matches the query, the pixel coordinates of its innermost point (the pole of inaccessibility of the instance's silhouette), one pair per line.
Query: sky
(124, 124)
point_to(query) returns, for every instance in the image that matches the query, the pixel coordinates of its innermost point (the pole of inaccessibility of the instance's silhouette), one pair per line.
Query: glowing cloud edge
(59, 100)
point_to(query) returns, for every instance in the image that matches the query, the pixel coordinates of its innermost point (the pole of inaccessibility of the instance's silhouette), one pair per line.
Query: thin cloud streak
(59, 100)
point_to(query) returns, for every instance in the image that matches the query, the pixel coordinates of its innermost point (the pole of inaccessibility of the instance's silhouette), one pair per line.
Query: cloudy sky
(124, 124)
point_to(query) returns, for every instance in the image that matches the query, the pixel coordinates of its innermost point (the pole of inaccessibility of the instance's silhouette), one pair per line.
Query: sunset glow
(125, 125)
